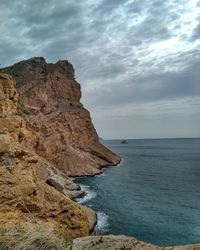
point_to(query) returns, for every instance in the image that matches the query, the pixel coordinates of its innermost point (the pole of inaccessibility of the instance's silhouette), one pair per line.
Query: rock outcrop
(119, 242)
(62, 131)
(63, 184)
(111, 242)
(25, 194)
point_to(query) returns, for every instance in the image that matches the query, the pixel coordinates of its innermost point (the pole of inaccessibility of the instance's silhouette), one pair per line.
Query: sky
(138, 62)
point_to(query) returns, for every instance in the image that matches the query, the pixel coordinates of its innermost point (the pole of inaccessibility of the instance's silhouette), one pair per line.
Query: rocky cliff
(25, 194)
(31, 188)
(62, 131)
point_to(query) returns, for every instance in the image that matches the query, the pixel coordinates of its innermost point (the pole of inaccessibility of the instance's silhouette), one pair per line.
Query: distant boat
(124, 142)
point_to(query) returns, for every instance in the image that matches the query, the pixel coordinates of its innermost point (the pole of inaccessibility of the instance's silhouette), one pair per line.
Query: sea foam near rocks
(89, 194)
(102, 222)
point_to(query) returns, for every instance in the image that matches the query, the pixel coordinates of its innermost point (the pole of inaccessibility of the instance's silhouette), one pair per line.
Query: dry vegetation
(32, 237)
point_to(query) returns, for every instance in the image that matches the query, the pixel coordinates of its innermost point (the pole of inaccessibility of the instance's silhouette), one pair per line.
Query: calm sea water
(153, 195)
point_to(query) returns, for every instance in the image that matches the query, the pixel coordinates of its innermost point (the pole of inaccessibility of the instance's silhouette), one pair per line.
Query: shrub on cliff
(32, 237)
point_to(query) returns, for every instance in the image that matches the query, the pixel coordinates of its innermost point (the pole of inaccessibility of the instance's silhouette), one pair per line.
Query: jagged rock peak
(36, 58)
(31, 68)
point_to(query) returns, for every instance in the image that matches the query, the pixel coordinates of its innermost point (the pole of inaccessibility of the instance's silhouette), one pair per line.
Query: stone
(92, 216)
(64, 184)
(4, 143)
(119, 242)
(8, 96)
(111, 242)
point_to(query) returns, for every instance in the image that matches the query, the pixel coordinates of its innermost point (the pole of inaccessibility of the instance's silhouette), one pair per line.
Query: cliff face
(62, 131)
(24, 192)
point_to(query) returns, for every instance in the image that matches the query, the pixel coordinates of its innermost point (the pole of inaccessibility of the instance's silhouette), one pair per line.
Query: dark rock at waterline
(124, 142)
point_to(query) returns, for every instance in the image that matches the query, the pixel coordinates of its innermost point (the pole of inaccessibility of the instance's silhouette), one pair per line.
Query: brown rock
(62, 128)
(111, 242)
(24, 193)
(8, 96)
(64, 184)
(92, 216)
(119, 242)
(24, 196)
(4, 143)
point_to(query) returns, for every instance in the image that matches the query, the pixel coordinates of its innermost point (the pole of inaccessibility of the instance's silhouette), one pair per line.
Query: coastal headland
(47, 136)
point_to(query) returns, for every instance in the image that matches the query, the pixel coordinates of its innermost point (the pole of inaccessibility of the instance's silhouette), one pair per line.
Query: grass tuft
(32, 237)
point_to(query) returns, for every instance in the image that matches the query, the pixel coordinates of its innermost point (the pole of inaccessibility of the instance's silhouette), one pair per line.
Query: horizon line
(153, 138)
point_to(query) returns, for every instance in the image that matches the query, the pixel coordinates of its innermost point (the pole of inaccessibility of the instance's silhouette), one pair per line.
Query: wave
(100, 175)
(102, 218)
(119, 164)
(102, 222)
(89, 194)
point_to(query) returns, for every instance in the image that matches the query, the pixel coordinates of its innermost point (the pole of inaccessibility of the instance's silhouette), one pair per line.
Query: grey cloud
(9, 51)
(154, 27)
(196, 33)
(108, 71)
(106, 7)
(152, 87)
(109, 43)
(135, 7)
(38, 12)
(65, 24)
(150, 30)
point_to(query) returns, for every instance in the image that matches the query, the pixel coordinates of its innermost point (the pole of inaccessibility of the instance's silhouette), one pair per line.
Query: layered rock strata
(25, 194)
(62, 130)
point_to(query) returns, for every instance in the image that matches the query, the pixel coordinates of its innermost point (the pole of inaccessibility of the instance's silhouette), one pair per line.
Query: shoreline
(103, 167)
(102, 233)
(88, 194)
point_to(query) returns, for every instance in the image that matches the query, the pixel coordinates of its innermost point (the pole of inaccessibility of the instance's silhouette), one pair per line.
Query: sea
(152, 195)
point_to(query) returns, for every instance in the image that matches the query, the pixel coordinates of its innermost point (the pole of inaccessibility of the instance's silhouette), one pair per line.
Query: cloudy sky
(138, 62)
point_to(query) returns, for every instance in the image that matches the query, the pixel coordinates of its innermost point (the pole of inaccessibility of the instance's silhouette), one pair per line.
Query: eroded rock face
(8, 96)
(62, 128)
(24, 193)
(119, 242)
(10, 122)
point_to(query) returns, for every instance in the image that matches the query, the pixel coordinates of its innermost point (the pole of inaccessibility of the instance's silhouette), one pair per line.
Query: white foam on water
(100, 175)
(102, 222)
(89, 194)
(122, 160)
